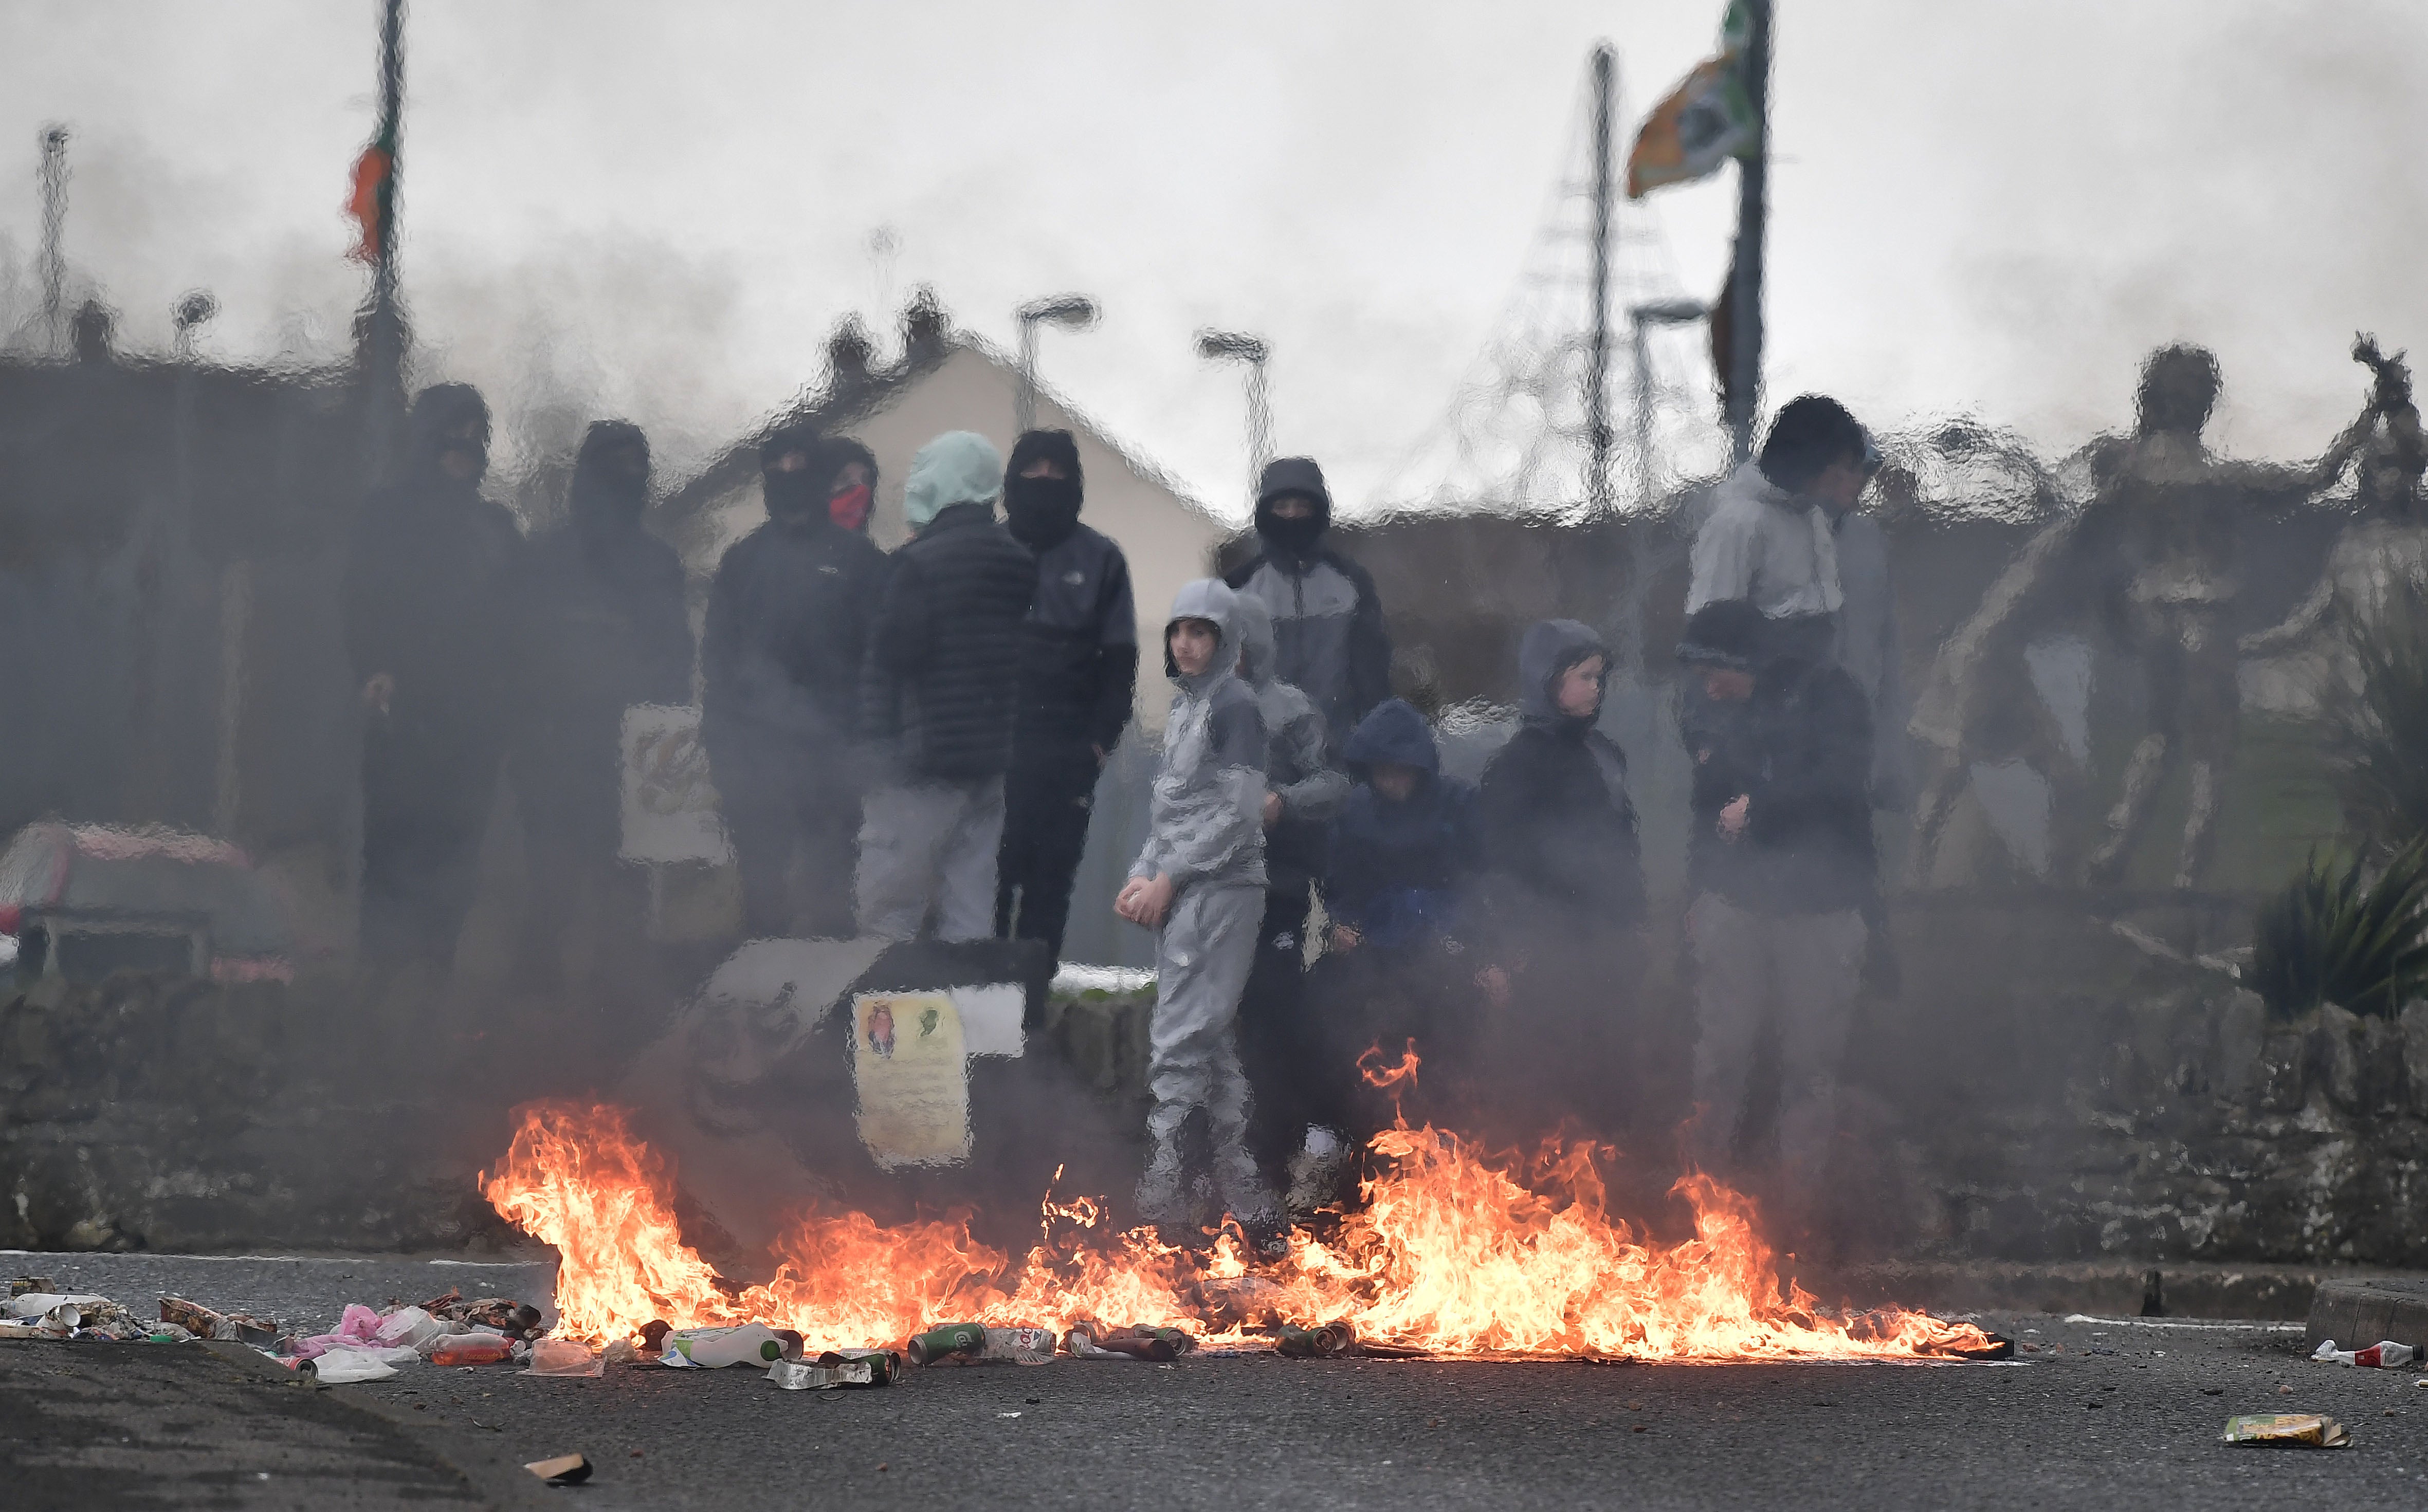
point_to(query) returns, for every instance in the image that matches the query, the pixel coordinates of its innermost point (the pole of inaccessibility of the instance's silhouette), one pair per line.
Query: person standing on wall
(429, 625)
(781, 657)
(1078, 677)
(937, 698)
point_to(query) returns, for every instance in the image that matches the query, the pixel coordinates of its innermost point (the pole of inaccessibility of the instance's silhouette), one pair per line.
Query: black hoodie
(1559, 830)
(1328, 625)
(1078, 660)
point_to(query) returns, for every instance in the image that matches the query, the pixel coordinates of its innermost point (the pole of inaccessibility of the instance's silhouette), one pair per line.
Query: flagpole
(1745, 289)
(384, 333)
(1597, 394)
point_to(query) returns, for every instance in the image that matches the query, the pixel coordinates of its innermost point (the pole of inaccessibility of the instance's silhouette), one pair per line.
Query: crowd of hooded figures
(909, 744)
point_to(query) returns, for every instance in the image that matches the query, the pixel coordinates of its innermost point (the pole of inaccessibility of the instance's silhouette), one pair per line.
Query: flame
(1451, 1253)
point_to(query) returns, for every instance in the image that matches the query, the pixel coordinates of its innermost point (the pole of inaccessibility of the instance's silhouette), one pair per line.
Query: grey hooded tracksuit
(1206, 833)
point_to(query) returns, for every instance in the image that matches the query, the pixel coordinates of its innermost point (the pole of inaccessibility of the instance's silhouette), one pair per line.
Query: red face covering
(849, 508)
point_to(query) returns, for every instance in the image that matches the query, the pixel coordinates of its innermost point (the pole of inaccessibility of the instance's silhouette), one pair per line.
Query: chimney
(923, 325)
(847, 354)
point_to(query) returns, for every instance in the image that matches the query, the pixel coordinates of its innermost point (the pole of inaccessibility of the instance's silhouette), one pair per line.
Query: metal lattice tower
(1519, 435)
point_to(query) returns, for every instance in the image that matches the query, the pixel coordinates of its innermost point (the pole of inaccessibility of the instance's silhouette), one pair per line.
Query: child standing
(1199, 881)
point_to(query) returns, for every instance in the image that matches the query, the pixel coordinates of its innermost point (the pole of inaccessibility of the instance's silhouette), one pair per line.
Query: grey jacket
(1205, 820)
(1298, 768)
(1761, 543)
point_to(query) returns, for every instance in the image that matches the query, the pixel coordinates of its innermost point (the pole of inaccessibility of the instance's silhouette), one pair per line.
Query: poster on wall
(670, 812)
(910, 1066)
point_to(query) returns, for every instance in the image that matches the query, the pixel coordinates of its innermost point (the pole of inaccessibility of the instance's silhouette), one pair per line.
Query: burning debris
(1452, 1255)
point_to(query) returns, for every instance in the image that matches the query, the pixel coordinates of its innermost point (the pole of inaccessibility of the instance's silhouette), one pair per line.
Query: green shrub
(2335, 936)
(2379, 734)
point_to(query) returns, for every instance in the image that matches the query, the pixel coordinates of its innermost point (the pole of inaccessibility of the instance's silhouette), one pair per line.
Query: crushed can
(965, 1340)
(1326, 1342)
(884, 1366)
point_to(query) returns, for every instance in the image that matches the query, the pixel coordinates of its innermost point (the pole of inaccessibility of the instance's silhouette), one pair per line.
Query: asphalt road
(2115, 1414)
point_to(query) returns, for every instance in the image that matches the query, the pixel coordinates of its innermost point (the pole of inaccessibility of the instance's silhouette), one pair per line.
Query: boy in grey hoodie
(1200, 882)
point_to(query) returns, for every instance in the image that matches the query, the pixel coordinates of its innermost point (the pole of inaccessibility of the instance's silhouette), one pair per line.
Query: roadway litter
(748, 1343)
(2293, 1430)
(2386, 1354)
(837, 1369)
(565, 1470)
(971, 1343)
(565, 1358)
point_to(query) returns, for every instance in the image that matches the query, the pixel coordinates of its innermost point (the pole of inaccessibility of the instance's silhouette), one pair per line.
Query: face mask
(1041, 512)
(790, 496)
(1291, 538)
(849, 508)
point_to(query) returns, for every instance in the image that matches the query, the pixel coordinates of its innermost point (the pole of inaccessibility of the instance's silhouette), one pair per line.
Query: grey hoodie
(1311, 790)
(1205, 822)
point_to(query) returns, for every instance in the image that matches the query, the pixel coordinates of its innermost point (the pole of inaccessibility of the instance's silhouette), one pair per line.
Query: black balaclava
(1042, 512)
(438, 412)
(797, 499)
(1293, 541)
(611, 477)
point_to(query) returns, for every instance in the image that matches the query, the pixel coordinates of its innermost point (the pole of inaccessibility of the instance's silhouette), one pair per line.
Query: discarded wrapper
(835, 1370)
(31, 1283)
(565, 1470)
(2305, 1430)
(1096, 1341)
(565, 1357)
(2386, 1353)
(261, 1333)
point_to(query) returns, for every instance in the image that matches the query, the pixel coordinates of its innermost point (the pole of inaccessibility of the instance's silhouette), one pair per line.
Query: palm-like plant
(2336, 935)
(2379, 734)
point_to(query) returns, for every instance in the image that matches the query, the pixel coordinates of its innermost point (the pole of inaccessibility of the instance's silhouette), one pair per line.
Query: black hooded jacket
(1801, 751)
(1559, 830)
(1327, 618)
(939, 686)
(1078, 660)
(603, 621)
(1399, 872)
(431, 572)
(787, 632)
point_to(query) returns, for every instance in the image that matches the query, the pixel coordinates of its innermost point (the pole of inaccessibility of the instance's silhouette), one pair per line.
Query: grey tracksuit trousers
(930, 843)
(1800, 970)
(1203, 957)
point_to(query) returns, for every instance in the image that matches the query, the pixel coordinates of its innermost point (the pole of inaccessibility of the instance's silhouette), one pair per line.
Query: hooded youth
(601, 601)
(789, 614)
(1397, 870)
(940, 680)
(1078, 667)
(1206, 821)
(1558, 829)
(1329, 638)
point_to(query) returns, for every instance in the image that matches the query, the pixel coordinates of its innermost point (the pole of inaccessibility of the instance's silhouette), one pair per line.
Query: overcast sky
(661, 210)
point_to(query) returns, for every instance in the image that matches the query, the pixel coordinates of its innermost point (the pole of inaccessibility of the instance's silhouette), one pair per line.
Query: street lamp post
(1238, 347)
(1641, 318)
(1072, 312)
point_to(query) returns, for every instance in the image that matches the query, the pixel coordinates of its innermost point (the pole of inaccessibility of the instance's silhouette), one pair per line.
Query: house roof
(837, 406)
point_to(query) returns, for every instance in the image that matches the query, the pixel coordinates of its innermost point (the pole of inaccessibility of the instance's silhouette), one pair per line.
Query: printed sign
(670, 810)
(910, 1067)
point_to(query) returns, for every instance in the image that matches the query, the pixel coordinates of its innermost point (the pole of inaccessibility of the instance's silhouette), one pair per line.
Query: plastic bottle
(469, 1349)
(748, 1343)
